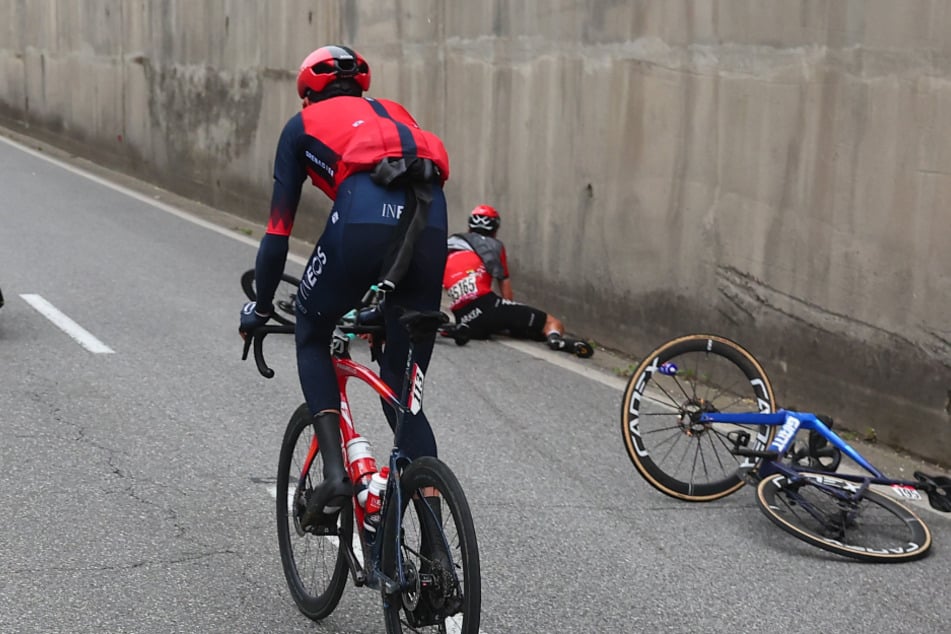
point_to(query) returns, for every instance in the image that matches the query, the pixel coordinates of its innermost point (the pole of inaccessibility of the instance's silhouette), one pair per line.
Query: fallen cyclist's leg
(555, 335)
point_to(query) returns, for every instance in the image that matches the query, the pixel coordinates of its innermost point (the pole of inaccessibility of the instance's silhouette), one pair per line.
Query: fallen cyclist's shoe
(582, 348)
(578, 347)
(460, 333)
(556, 341)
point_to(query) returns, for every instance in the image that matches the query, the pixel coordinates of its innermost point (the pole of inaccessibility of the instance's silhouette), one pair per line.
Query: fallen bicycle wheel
(821, 510)
(284, 297)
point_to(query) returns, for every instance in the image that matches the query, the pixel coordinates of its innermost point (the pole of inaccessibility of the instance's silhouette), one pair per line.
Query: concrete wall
(776, 171)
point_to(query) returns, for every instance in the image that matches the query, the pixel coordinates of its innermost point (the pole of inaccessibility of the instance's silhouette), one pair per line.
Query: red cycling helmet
(484, 219)
(328, 63)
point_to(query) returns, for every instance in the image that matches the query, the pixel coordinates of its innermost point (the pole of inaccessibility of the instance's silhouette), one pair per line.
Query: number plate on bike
(906, 492)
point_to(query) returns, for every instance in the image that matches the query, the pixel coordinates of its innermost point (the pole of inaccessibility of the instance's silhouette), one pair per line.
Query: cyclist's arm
(505, 284)
(289, 176)
(505, 289)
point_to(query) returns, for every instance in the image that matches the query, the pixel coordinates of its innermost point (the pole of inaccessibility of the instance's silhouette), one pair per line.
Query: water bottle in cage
(361, 466)
(371, 518)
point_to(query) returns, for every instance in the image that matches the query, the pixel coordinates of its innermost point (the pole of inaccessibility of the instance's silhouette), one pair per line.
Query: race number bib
(463, 288)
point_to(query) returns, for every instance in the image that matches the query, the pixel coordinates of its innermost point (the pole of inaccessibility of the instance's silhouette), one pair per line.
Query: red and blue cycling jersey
(330, 140)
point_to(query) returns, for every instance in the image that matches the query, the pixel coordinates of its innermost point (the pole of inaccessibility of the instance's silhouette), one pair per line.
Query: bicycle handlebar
(256, 339)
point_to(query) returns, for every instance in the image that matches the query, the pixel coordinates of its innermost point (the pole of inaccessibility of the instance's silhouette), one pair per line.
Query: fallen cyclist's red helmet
(329, 63)
(484, 219)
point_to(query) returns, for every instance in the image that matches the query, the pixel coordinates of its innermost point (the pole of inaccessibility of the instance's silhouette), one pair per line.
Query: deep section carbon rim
(284, 297)
(672, 386)
(314, 565)
(445, 593)
(819, 509)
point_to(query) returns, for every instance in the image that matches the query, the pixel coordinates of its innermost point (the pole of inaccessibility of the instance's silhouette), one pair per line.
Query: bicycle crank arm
(356, 570)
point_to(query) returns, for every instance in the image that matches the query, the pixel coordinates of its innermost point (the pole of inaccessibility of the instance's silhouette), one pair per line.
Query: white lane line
(534, 349)
(67, 325)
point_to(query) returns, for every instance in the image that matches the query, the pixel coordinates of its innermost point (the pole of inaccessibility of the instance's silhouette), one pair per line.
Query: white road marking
(67, 325)
(562, 360)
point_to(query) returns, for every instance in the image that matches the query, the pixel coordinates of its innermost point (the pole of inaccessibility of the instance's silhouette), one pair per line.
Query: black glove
(251, 319)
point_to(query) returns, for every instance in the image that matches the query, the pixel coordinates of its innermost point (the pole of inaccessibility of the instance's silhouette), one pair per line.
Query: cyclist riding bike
(385, 175)
(476, 260)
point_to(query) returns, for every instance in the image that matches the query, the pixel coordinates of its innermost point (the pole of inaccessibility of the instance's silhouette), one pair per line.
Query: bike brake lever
(257, 339)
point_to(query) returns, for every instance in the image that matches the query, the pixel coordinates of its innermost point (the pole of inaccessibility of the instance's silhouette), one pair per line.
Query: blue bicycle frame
(789, 423)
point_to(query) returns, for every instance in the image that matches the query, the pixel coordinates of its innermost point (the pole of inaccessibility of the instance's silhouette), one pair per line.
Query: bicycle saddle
(938, 489)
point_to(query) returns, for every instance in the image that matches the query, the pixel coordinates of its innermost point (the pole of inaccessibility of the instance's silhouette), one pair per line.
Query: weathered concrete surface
(772, 170)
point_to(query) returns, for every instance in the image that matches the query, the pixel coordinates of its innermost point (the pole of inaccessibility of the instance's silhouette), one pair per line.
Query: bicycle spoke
(714, 436)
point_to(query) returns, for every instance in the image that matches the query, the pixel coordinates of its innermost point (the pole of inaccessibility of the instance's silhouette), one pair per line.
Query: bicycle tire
(652, 431)
(788, 506)
(284, 297)
(315, 566)
(452, 602)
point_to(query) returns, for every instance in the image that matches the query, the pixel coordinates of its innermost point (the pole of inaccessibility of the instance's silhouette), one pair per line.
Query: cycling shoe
(324, 504)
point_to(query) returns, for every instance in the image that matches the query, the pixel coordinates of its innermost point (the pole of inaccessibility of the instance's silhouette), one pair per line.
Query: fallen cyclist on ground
(476, 259)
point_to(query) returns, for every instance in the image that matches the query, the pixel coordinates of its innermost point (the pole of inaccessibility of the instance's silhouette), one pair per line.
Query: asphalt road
(134, 482)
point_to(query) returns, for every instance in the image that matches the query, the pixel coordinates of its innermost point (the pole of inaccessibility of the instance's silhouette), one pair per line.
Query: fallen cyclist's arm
(505, 289)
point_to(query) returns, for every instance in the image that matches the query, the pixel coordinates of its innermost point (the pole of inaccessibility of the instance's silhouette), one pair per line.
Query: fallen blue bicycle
(699, 420)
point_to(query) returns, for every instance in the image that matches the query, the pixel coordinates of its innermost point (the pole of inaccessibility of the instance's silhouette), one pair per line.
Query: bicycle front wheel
(314, 565)
(284, 297)
(665, 396)
(437, 545)
(819, 510)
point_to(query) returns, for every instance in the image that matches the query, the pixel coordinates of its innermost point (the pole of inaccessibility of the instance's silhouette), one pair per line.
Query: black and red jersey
(330, 140)
(468, 274)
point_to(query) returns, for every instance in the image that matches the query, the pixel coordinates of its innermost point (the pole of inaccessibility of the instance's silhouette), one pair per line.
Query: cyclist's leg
(325, 294)
(420, 289)
(519, 320)
(474, 316)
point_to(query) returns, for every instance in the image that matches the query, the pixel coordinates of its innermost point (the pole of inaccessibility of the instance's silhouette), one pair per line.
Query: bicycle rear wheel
(284, 296)
(816, 508)
(666, 394)
(445, 593)
(314, 565)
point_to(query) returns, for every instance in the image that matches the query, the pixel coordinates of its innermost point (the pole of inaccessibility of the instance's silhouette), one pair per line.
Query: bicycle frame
(789, 423)
(346, 368)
